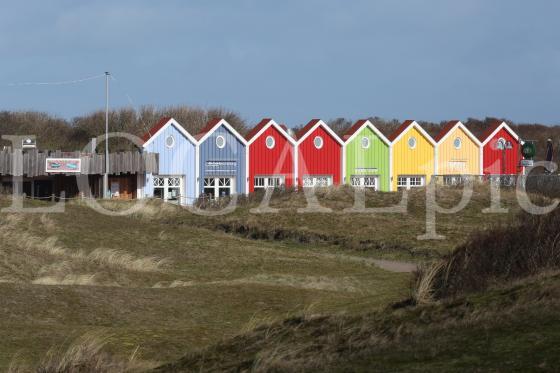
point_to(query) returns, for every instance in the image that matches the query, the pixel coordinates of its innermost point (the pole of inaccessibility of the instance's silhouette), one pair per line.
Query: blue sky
(291, 60)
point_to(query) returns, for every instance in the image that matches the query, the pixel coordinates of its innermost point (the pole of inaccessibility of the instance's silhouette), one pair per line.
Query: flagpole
(106, 175)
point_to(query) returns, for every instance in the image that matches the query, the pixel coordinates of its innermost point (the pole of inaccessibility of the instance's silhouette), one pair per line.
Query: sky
(289, 60)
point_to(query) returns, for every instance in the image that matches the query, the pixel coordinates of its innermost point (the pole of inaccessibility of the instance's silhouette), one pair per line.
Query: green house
(367, 156)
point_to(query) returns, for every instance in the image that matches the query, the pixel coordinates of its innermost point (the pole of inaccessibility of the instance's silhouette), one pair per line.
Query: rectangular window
(364, 181)
(215, 187)
(408, 182)
(168, 188)
(310, 181)
(263, 182)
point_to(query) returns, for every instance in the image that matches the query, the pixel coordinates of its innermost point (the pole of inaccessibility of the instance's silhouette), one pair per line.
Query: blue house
(222, 160)
(177, 178)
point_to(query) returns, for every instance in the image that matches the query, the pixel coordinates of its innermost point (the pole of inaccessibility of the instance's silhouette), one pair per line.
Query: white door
(411, 181)
(365, 181)
(168, 188)
(312, 181)
(216, 187)
(264, 182)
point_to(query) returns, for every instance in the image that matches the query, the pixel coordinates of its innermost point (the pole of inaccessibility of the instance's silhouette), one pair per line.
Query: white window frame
(460, 143)
(168, 183)
(273, 142)
(366, 138)
(415, 142)
(217, 180)
(320, 138)
(224, 140)
(365, 181)
(315, 181)
(411, 181)
(268, 181)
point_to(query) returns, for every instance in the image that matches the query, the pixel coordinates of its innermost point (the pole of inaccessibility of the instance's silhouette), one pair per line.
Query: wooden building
(413, 156)
(319, 156)
(271, 152)
(47, 174)
(367, 155)
(176, 180)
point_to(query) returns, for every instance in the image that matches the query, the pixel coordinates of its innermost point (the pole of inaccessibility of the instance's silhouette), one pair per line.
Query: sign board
(221, 167)
(527, 163)
(63, 165)
(365, 170)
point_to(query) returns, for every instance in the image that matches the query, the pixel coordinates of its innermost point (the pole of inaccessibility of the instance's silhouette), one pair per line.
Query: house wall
(463, 161)
(234, 151)
(417, 161)
(324, 161)
(492, 158)
(376, 156)
(276, 161)
(178, 160)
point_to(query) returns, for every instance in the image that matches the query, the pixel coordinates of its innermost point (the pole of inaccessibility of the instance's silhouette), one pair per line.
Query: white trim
(436, 160)
(197, 172)
(420, 129)
(390, 168)
(320, 123)
(481, 160)
(502, 125)
(176, 124)
(343, 175)
(460, 125)
(295, 179)
(247, 173)
(275, 125)
(367, 123)
(224, 123)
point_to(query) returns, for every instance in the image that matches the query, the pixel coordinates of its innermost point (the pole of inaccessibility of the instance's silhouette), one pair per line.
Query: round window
(501, 144)
(220, 142)
(457, 143)
(412, 142)
(365, 142)
(170, 141)
(318, 142)
(270, 142)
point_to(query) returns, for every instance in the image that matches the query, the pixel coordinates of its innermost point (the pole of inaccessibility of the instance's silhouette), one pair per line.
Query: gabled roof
(161, 125)
(494, 128)
(357, 127)
(311, 126)
(256, 131)
(448, 128)
(396, 135)
(213, 125)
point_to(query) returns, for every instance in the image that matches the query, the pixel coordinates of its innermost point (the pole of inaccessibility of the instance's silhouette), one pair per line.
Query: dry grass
(86, 354)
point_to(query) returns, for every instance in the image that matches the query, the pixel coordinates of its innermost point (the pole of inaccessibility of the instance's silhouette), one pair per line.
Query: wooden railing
(32, 163)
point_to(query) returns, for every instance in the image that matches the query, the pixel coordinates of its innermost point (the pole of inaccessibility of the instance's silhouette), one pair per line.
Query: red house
(319, 156)
(501, 151)
(271, 156)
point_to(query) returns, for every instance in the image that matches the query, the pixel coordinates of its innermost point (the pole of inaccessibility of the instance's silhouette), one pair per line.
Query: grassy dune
(164, 282)
(167, 288)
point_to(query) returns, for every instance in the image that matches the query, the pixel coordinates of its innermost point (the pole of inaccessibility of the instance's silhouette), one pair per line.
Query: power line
(63, 82)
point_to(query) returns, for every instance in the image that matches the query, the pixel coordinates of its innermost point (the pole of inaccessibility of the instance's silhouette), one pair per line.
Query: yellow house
(458, 151)
(412, 155)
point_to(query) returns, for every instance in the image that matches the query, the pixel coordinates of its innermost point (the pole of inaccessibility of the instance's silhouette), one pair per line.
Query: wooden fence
(32, 163)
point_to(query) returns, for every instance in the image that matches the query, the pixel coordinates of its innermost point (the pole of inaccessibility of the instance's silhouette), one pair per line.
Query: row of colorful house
(218, 161)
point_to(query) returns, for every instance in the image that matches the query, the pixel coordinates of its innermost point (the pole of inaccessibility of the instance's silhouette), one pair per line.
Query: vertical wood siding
(178, 160)
(324, 161)
(468, 155)
(417, 161)
(276, 161)
(493, 156)
(376, 156)
(234, 151)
